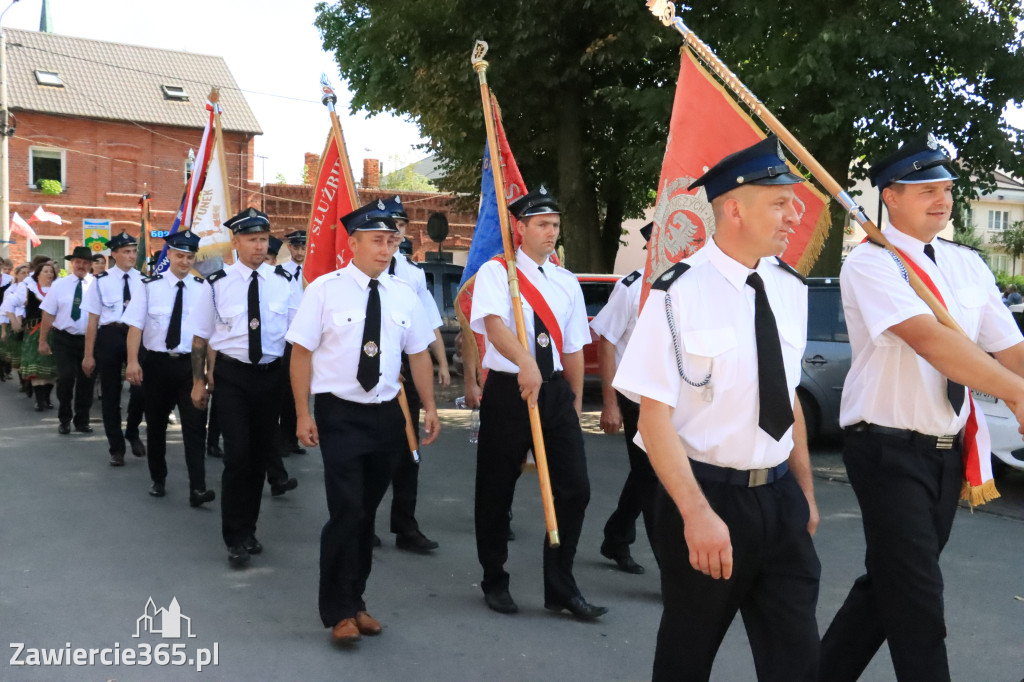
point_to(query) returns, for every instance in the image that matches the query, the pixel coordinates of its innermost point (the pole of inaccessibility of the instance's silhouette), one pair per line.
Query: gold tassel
(979, 494)
(817, 241)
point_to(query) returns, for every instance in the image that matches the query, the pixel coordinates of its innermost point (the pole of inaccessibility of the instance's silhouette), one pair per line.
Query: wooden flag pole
(539, 452)
(666, 12)
(329, 99)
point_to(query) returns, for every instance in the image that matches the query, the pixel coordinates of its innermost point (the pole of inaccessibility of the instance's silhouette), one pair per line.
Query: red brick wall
(107, 164)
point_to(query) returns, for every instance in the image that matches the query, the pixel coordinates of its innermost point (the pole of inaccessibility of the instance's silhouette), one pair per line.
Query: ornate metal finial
(477, 59)
(327, 96)
(664, 10)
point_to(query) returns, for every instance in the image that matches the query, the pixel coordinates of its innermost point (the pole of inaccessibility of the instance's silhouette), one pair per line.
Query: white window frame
(46, 237)
(998, 220)
(43, 78)
(63, 166)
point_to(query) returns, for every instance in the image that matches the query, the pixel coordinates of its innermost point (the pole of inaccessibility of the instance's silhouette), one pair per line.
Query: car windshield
(595, 295)
(825, 318)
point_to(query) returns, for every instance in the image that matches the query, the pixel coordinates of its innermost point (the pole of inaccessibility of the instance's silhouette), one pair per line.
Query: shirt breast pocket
(160, 312)
(972, 300)
(793, 342)
(708, 359)
(349, 321)
(232, 316)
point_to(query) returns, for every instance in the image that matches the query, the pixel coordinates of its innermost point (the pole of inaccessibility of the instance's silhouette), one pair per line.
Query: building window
(45, 163)
(175, 92)
(999, 262)
(54, 247)
(49, 78)
(968, 217)
(998, 220)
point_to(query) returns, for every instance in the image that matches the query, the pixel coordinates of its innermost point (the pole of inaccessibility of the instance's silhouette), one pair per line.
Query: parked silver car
(826, 359)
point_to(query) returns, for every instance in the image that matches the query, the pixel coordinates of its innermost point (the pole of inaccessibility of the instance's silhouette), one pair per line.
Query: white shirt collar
(735, 273)
(363, 280)
(527, 264)
(904, 241)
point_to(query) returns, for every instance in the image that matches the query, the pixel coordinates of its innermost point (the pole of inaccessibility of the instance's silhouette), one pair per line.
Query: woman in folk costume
(10, 347)
(41, 370)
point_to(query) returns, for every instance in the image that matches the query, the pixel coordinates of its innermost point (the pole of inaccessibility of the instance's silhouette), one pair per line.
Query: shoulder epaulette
(790, 269)
(963, 246)
(151, 278)
(102, 274)
(279, 270)
(631, 277)
(666, 278)
(199, 279)
(215, 276)
(869, 240)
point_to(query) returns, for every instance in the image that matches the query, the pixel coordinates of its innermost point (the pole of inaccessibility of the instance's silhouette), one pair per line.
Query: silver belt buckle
(758, 477)
(944, 442)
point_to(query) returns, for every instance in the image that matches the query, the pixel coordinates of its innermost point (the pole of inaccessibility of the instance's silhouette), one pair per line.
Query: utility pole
(5, 133)
(263, 183)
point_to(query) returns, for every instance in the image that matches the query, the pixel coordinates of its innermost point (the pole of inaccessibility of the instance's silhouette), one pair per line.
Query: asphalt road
(83, 547)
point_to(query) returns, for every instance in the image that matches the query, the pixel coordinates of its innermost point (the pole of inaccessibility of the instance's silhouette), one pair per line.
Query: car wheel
(999, 467)
(812, 415)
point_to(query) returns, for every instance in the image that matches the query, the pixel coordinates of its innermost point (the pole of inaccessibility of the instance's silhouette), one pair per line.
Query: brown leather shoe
(346, 631)
(367, 624)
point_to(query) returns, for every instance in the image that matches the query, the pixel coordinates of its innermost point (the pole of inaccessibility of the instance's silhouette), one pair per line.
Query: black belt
(750, 478)
(265, 367)
(168, 355)
(121, 326)
(554, 375)
(936, 442)
(67, 333)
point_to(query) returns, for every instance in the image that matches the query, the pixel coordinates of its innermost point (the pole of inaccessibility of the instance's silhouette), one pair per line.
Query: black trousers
(167, 382)
(289, 441)
(637, 496)
(774, 585)
(247, 404)
(74, 389)
(504, 440)
(111, 353)
(360, 445)
(406, 481)
(908, 496)
(276, 473)
(212, 428)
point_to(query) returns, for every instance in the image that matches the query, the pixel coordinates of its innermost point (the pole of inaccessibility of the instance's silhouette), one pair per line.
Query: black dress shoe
(579, 607)
(623, 559)
(214, 451)
(278, 489)
(415, 542)
(85, 428)
(198, 497)
(39, 407)
(252, 545)
(298, 449)
(156, 490)
(138, 447)
(500, 602)
(238, 556)
(64, 429)
(117, 459)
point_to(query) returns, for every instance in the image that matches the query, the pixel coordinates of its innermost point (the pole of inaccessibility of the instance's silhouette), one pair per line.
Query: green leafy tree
(1012, 241)
(586, 87)
(280, 179)
(406, 178)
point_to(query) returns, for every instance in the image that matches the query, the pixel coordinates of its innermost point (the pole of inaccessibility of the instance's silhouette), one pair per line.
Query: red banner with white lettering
(327, 248)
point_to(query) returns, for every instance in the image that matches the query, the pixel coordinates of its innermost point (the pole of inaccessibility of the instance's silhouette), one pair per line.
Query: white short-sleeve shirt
(716, 406)
(617, 319)
(330, 323)
(561, 291)
(59, 302)
(222, 312)
(888, 383)
(106, 296)
(405, 271)
(151, 310)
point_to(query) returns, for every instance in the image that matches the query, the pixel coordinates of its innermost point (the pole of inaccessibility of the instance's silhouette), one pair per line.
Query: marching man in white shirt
(715, 360)
(348, 337)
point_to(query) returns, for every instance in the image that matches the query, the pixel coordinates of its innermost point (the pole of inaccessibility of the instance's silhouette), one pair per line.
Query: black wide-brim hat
(763, 163)
(249, 221)
(921, 159)
(80, 252)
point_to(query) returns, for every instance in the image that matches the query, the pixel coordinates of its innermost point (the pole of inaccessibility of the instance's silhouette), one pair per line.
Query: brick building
(288, 207)
(106, 119)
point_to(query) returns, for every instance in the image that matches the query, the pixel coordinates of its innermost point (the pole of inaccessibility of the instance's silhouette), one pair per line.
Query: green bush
(1004, 280)
(50, 186)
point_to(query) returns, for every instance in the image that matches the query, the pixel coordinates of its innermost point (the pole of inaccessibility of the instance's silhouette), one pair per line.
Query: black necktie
(76, 302)
(954, 391)
(776, 415)
(542, 348)
(298, 273)
(126, 293)
(368, 373)
(255, 341)
(173, 337)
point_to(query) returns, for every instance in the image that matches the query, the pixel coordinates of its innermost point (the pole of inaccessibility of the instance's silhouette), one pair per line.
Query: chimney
(312, 163)
(371, 174)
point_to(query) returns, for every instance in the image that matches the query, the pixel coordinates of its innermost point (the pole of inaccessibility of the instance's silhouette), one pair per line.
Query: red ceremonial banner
(332, 198)
(707, 124)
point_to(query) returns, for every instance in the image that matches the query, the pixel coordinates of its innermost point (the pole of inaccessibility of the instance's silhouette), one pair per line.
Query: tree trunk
(836, 160)
(580, 216)
(611, 230)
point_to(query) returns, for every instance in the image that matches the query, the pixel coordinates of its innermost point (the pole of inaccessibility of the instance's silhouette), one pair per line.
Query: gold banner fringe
(979, 494)
(817, 241)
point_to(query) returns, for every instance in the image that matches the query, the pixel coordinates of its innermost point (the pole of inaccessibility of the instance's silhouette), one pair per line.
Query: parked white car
(1007, 443)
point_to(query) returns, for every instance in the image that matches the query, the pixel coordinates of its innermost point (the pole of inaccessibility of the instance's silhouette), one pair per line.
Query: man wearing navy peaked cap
(905, 410)
(714, 361)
